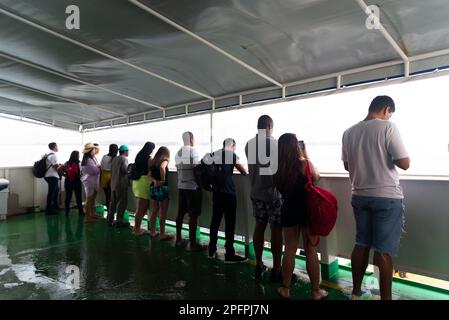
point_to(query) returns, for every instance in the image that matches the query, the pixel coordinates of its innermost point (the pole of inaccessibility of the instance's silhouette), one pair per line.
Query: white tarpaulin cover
(139, 60)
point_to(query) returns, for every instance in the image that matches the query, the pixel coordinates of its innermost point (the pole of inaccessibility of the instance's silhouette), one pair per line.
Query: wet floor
(38, 252)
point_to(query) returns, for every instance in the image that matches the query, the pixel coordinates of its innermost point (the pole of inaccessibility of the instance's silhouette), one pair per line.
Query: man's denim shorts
(379, 222)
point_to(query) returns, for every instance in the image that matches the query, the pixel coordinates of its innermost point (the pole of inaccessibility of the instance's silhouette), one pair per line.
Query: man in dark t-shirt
(224, 200)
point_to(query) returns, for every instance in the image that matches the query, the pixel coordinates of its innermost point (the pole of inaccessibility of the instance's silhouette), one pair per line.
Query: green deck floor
(35, 251)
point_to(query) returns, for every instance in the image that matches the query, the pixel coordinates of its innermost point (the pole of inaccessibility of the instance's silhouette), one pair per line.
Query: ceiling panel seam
(204, 41)
(100, 52)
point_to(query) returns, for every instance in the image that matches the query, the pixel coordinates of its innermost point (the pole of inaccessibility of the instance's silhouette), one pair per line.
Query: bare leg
(359, 263)
(142, 205)
(95, 216)
(154, 212)
(385, 264)
(313, 266)
(258, 241)
(162, 217)
(291, 236)
(89, 207)
(137, 216)
(276, 246)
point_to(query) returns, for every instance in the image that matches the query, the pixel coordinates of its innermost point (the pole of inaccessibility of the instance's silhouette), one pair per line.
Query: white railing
(423, 247)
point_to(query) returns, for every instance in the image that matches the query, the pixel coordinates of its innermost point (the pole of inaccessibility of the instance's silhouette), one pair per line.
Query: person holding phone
(371, 151)
(290, 180)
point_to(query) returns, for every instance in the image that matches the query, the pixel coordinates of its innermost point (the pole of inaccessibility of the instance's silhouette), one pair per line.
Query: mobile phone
(301, 144)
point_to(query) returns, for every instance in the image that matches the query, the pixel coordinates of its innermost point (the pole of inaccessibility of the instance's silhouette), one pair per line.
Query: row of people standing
(89, 174)
(55, 170)
(151, 184)
(279, 199)
(371, 150)
(111, 174)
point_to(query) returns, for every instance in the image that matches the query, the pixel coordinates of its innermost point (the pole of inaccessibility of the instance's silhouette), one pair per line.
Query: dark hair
(289, 165)
(113, 149)
(51, 145)
(86, 156)
(74, 157)
(228, 142)
(187, 137)
(161, 155)
(381, 102)
(145, 152)
(264, 121)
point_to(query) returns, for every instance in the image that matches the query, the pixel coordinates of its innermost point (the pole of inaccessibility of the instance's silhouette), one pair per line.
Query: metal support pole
(339, 82)
(389, 38)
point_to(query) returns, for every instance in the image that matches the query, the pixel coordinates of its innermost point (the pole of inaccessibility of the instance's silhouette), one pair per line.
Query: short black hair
(187, 137)
(228, 142)
(51, 145)
(264, 121)
(113, 149)
(381, 102)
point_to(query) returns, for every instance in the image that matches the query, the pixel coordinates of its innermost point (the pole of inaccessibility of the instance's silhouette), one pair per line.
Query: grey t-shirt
(119, 168)
(260, 171)
(186, 159)
(370, 147)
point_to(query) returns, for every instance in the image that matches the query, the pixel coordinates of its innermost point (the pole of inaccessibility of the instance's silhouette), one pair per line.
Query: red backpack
(71, 170)
(322, 208)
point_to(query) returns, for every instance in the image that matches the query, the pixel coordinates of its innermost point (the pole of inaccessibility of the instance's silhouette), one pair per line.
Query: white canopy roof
(139, 60)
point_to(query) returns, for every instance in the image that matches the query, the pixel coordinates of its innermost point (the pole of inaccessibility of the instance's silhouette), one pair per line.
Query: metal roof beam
(102, 53)
(204, 41)
(388, 37)
(341, 73)
(36, 119)
(62, 98)
(64, 75)
(42, 108)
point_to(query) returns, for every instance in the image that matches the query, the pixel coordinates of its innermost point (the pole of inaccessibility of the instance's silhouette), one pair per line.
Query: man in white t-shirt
(371, 150)
(190, 196)
(52, 178)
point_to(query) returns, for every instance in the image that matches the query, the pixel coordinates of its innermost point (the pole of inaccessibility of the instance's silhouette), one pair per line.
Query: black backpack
(132, 172)
(40, 167)
(208, 174)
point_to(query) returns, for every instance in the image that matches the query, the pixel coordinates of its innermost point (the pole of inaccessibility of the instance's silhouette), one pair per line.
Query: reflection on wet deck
(35, 251)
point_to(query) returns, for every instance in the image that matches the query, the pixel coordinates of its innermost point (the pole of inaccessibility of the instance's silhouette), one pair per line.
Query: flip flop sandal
(323, 297)
(142, 232)
(167, 238)
(281, 295)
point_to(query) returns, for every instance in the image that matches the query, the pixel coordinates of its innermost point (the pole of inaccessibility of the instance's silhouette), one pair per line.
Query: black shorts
(267, 211)
(189, 202)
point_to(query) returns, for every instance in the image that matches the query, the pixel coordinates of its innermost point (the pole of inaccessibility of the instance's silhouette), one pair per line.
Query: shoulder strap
(46, 158)
(310, 183)
(308, 174)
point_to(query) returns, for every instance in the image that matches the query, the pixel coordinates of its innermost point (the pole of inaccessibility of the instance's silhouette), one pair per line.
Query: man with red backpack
(73, 182)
